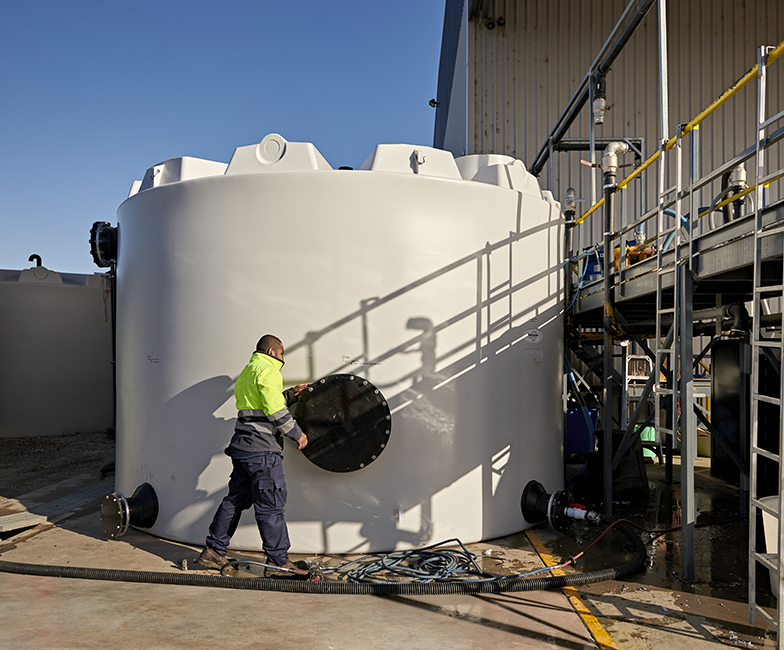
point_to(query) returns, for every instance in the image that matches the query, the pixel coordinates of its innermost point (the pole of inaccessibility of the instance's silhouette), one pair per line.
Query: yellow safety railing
(774, 54)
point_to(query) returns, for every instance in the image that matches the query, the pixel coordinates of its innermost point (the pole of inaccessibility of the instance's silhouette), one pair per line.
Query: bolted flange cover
(347, 421)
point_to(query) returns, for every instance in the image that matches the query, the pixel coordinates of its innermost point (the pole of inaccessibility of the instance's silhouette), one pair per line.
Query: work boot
(286, 569)
(211, 559)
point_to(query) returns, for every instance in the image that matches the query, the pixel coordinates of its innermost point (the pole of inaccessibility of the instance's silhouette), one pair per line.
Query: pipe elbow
(610, 157)
(739, 315)
(617, 148)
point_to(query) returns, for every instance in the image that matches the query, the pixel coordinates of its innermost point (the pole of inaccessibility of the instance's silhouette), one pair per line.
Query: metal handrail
(774, 54)
(745, 155)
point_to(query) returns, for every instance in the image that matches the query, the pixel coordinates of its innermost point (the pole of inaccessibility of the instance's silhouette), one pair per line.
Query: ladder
(638, 369)
(674, 350)
(767, 346)
(665, 392)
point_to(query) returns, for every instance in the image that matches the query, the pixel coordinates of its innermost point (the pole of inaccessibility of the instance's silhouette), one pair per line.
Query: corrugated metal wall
(523, 74)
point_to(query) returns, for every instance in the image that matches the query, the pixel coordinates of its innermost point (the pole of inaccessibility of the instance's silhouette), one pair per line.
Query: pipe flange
(556, 510)
(103, 244)
(139, 510)
(115, 515)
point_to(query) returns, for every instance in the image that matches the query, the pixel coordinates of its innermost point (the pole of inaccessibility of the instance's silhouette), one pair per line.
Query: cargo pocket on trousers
(272, 495)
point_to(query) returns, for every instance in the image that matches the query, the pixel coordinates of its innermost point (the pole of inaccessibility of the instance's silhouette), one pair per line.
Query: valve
(600, 99)
(570, 206)
(557, 508)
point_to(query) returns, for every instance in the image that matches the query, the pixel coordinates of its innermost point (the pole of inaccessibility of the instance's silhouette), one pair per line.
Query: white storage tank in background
(56, 349)
(439, 281)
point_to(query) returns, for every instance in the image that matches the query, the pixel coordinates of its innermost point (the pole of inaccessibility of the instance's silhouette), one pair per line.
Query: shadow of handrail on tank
(433, 397)
(454, 369)
(437, 411)
(368, 305)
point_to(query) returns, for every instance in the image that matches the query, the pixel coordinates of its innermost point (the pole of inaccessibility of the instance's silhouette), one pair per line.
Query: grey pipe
(581, 98)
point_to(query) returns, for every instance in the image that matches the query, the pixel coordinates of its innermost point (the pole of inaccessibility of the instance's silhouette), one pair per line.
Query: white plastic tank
(438, 280)
(56, 348)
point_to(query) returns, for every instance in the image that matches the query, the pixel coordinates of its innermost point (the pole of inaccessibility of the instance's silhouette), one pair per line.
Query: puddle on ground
(721, 550)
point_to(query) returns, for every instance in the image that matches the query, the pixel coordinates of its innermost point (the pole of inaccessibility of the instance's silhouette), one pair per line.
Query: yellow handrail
(774, 54)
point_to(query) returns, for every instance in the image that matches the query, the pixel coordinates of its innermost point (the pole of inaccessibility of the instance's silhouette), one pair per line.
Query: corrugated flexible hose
(348, 588)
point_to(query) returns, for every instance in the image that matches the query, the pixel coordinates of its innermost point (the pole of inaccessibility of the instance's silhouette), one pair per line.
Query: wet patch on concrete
(721, 565)
(657, 608)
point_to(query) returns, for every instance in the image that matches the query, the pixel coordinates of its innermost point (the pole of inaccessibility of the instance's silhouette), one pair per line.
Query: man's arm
(292, 394)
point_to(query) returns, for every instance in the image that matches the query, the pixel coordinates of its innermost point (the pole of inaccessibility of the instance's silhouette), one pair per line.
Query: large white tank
(55, 347)
(439, 281)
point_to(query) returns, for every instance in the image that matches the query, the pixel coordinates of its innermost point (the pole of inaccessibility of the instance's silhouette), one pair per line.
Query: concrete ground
(652, 610)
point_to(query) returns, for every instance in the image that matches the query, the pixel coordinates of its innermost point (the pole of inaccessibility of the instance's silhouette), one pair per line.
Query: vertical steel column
(755, 351)
(592, 137)
(683, 368)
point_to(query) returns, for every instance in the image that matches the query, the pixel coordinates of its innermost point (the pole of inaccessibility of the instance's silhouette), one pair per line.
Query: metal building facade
(510, 67)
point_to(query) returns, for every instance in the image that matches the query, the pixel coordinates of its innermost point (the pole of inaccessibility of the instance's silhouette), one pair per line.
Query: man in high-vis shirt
(256, 454)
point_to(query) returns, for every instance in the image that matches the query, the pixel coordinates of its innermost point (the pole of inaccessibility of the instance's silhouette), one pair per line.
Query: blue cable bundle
(423, 565)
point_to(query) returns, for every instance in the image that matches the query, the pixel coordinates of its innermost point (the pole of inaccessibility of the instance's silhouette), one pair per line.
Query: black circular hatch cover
(347, 421)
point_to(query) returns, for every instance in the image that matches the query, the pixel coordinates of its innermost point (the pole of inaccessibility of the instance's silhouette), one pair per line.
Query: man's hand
(302, 442)
(299, 388)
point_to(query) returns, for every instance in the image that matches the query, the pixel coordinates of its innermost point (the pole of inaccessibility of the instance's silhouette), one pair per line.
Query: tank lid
(275, 154)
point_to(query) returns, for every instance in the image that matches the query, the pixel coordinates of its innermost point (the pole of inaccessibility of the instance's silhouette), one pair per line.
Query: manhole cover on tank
(347, 421)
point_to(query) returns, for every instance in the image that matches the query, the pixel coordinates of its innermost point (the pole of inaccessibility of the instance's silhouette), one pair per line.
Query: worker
(256, 454)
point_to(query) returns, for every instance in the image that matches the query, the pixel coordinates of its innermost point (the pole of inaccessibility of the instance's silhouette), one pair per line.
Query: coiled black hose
(347, 588)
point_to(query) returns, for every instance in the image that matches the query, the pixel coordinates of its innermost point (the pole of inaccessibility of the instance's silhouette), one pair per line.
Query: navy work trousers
(257, 482)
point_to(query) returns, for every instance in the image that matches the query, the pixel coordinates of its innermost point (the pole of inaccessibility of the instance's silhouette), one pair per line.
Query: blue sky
(95, 92)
